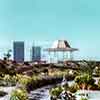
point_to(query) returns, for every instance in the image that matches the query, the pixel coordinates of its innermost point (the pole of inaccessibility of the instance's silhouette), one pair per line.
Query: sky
(43, 21)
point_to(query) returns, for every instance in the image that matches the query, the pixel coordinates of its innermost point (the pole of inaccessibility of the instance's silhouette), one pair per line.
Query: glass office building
(36, 53)
(18, 51)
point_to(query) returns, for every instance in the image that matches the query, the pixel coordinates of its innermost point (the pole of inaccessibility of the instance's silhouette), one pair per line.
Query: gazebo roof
(61, 45)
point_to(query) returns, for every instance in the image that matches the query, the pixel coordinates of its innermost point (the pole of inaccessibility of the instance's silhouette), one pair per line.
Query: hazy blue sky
(77, 21)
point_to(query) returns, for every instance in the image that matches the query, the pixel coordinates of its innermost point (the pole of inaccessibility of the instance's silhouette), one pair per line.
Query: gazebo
(61, 46)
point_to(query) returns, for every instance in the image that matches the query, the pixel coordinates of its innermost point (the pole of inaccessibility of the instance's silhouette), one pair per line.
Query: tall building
(36, 53)
(18, 50)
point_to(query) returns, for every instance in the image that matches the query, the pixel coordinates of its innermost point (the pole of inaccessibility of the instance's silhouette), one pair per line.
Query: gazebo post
(66, 56)
(71, 55)
(53, 55)
(57, 56)
(63, 55)
(49, 56)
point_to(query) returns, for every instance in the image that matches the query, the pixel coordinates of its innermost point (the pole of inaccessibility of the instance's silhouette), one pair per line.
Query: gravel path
(7, 90)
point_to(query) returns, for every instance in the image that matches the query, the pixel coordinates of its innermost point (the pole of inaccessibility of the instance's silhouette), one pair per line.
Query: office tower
(36, 53)
(18, 50)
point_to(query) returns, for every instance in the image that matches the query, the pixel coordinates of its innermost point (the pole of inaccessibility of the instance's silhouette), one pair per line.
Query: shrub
(10, 79)
(56, 91)
(85, 80)
(24, 79)
(99, 84)
(83, 99)
(19, 94)
(73, 88)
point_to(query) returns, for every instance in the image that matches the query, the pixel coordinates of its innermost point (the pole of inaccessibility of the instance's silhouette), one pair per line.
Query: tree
(7, 55)
(88, 66)
(84, 80)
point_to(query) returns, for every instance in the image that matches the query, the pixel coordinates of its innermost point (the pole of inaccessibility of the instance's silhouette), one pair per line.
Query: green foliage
(19, 94)
(99, 84)
(59, 73)
(73, 88)
(84, 79)
(97, 71)
(10, 79)
(83, 99)
(56, 91)
(14, 98)
(88, 66)
(65, 87)
(8, 54)
(35, 78)
(24, 79)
